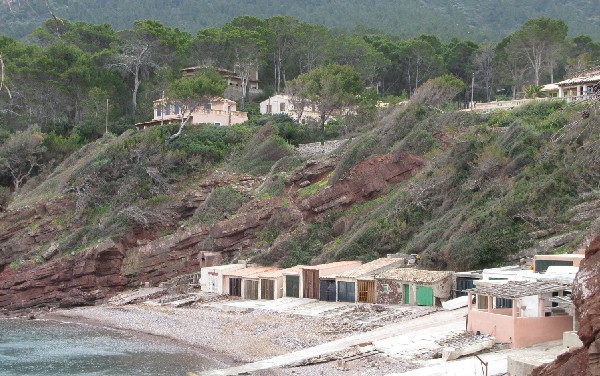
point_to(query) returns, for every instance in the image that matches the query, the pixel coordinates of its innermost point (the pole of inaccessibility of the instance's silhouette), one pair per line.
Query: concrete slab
(406, 329)
(497, 361)
(461, 301)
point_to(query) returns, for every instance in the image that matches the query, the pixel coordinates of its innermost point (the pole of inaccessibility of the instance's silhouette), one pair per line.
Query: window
(208, 106)
(385, 288)
(269, 109)
(176, 110)
(282, 107)
(158, 112)
(168, 109)
(218, 123)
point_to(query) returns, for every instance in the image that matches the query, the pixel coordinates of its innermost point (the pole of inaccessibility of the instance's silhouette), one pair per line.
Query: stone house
(234, 81)
(411, 286)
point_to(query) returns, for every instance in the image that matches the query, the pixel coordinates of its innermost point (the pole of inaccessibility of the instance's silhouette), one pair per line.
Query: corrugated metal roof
(414, 275)
(332, 265)
(368, 269)
(280, 272)
(248, 272)
(519, 289)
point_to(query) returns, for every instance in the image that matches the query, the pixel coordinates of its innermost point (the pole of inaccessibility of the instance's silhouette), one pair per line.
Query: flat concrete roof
(249, 272)
(281, 272)
(369, 269)
(518, 289)
(332, 265)
(414, 275)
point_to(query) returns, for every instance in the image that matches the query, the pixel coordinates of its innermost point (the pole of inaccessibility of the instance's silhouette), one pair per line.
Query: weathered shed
(357, 284)
(211, 277)
(272, 284)
(310, 276)
(413, 287)
(244, 282)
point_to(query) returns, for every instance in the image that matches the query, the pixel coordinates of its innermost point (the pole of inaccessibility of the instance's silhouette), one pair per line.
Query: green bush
(219, 203)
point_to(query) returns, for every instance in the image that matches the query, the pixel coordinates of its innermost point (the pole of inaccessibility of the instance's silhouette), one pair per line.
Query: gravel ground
(235, 336)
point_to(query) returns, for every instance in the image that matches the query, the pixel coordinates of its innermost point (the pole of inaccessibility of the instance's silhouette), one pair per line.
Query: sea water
(40, 347)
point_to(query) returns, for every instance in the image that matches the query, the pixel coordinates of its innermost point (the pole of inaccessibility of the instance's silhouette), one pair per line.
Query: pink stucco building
(218, 111)
(520, 313)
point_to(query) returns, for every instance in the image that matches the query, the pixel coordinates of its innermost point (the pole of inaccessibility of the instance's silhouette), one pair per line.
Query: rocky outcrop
(584, 361)
(77, 280)
(164, 258)
(366, 181)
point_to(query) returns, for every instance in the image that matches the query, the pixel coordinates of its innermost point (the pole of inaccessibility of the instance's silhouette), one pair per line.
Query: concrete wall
(520, 331)
(532, 330)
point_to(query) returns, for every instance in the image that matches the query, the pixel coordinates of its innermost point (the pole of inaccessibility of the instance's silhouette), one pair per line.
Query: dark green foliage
(219, 203)
(264, 149)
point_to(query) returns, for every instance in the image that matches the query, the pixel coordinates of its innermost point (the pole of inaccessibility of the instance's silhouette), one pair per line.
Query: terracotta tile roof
(280, 272)
(519, 289)
(368, 269)
(249, 272)
(414, 275)
(590, 76)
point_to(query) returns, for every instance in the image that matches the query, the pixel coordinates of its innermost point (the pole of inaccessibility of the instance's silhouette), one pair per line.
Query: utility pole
(106, 118)
(472, 90)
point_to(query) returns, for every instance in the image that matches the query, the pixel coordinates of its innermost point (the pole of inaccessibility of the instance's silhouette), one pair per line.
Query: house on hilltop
(219, 111)
(234, 81)
(585, 85)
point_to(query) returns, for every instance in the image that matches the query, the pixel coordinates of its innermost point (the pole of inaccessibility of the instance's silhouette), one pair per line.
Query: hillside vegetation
(478, 20)
(493, 188)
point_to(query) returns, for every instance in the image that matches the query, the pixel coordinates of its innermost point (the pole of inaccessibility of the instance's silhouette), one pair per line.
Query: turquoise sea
(39, 347)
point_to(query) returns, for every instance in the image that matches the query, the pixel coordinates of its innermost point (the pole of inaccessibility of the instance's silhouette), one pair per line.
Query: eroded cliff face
(584, 361)
(67, 277)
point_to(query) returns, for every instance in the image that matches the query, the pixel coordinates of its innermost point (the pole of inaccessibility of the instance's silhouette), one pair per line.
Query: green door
(406, 290)
(424, 296)
(292, 286)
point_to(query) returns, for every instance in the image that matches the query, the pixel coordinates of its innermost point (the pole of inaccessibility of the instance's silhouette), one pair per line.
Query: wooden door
(235, 287)
(310, 281)
(424, 296)
(406, 293)
(251, 289)
(267, 289)
(366, 291)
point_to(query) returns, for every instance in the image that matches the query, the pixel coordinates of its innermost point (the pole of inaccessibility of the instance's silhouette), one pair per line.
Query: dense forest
(473, 19)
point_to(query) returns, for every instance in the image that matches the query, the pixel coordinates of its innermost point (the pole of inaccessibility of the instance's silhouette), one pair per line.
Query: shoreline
(70, 316)
(224, 337)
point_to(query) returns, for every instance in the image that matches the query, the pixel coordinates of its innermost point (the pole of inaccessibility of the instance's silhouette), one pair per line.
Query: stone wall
(315, 149)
